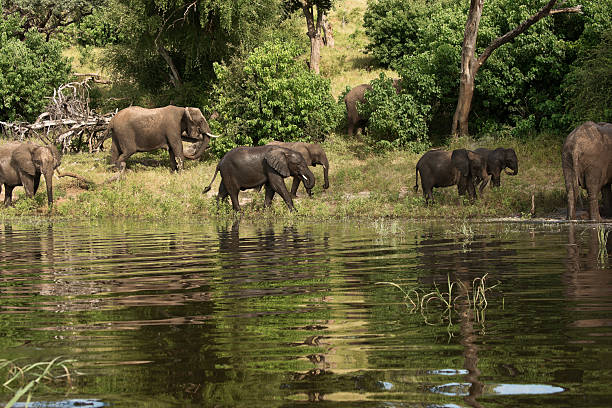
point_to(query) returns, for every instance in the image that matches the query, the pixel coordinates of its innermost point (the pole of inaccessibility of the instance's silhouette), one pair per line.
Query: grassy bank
(362, 184)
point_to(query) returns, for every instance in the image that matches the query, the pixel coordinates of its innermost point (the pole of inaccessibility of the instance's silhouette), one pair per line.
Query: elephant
(313, 154)
(22, 164)
(355, 95)
(252, 167)
(586, 159)
(136, 129)
(498, 160)
(461, 167)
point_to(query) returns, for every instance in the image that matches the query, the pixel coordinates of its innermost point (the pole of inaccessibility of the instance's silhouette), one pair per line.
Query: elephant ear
(23, 159)
(277, 159)
(460, 160)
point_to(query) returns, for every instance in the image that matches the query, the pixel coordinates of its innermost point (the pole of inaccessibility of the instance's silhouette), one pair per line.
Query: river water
(284, 315)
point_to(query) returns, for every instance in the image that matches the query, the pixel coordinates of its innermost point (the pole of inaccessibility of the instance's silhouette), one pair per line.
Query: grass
(362, 184)
(447, 299)
(29, 376)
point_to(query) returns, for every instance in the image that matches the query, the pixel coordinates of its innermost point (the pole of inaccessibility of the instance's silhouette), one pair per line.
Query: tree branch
(521, 28)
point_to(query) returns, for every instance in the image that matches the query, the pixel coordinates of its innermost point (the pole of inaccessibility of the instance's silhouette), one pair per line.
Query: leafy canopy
(271, 95)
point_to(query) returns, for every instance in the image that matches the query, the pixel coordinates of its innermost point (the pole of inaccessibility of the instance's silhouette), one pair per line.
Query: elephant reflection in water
(588, 276)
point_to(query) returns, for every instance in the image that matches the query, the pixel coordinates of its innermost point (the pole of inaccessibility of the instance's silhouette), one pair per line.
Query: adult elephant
(313, 154)
(22, 164)
(137, 129)
(586, 159)
(498, 160)
(252, 167)
(461, 167)
(356, 95)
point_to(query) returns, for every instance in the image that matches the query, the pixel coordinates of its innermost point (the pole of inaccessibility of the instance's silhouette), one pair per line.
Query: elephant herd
(586, 160)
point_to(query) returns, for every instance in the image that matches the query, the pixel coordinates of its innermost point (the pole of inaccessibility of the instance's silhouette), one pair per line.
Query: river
(352, 313)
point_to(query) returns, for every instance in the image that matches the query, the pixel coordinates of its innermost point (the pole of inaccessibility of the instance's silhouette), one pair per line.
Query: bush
(397, 119)
(29, 71)
(269, 95)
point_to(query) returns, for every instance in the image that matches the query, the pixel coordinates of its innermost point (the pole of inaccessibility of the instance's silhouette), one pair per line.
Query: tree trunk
(468, 69)
(470, 64)
(314, 33)
(328, 34)
(175, 77)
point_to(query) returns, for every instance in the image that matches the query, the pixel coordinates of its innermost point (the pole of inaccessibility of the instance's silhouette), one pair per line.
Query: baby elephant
(313, 154)
(22, 164)
(252, 167)
(439, 168)
(498, 160)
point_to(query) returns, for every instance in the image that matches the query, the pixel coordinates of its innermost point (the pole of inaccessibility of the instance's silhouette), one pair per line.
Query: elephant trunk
(199, 150)
(49, 183)
(484, 184)
(325, 173)
(309, 179)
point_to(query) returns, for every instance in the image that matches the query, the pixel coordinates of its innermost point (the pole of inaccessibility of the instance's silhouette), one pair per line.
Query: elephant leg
(606, 195)
(28, 184)
(278, 185)
(173, 164)
(176, 154)
(120, 162)
(8, 195)
(36, 183)
(294, 187)
(496, 179)
(593, 203)
(233, 193)
(471, 189)
(269, 195)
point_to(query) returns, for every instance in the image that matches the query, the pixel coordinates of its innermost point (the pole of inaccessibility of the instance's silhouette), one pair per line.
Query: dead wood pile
(68, 121)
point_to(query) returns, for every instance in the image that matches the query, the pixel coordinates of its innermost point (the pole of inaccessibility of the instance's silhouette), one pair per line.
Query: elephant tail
(207, 189)
(416, 183)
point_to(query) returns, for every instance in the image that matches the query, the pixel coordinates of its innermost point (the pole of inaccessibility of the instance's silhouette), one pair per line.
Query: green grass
(362, 184)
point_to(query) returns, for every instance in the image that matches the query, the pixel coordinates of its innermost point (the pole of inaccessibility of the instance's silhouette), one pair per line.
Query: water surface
(274, 315)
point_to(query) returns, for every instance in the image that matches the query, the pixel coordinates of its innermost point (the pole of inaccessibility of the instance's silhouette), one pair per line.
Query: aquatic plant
(602, 239)
(29, 376)
(474, 298)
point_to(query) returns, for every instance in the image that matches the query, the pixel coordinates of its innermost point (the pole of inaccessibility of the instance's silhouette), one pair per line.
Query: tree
(470, 64)
(176, 42)
(314, 24)
(48, 16)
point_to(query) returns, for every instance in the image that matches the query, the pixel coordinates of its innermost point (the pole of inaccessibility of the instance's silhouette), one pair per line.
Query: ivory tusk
(304, 177)
(210, 134)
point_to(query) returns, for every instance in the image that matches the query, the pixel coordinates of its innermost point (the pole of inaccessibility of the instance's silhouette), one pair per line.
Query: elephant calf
(439, 168)
(498, 160)
(313, 154)
(252, 167)
(22, 164)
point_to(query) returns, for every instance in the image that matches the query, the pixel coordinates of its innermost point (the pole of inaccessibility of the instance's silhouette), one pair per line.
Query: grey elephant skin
(497, 160)
(461, 167)
(137, 129)
(252, 167)
(22, 164)
(586, 159)
(355, 122)
(313, 154)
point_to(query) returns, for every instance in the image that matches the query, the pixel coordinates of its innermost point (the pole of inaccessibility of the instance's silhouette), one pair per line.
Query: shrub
(397, 119)
(270, 94)
(29, 71)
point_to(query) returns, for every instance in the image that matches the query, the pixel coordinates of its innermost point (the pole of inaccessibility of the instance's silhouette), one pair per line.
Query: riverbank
(362, 184)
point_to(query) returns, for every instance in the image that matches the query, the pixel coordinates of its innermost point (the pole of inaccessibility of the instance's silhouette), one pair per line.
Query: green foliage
(519, 85)
(398, 119)
(193, 34)
(100, 28)
(269, 95)
(589, 84)
(29, 71)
